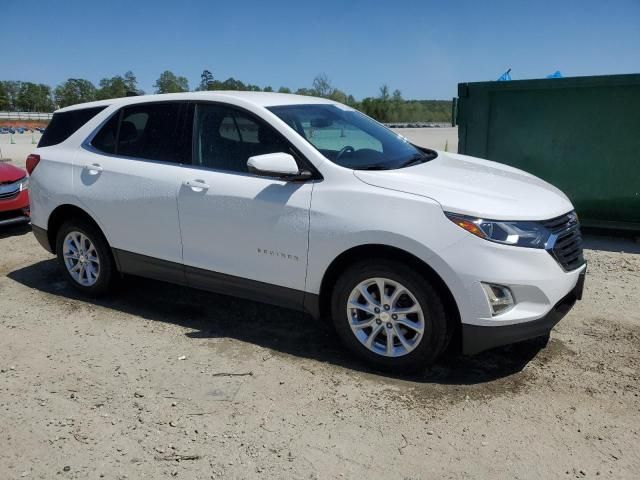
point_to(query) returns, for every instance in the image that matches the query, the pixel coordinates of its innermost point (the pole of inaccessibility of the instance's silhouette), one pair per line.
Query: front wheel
(389, 315)
(85, 257)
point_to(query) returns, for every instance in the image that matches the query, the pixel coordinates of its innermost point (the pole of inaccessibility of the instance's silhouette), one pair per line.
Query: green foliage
(206, 79)
(34, 97)
(114, 87)
(322, 86)
(4, 97)
(396, 109)
(306, 91)
(11, 89)
(25, 96)
(384, 92)
(169, 82)
(74, 90)
(117, 87)
(386, 107)
(229, 84)
(130, 81)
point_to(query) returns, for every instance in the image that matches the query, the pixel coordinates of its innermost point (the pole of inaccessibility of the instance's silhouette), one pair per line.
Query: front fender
(360, 215)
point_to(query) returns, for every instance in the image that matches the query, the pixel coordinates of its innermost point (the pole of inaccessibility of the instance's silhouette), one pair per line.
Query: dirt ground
(161, 381)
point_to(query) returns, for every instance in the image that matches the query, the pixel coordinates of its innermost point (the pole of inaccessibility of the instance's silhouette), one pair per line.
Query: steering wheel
(344, 150)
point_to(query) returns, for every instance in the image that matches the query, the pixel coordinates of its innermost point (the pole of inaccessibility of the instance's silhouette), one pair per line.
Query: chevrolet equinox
(308, 204)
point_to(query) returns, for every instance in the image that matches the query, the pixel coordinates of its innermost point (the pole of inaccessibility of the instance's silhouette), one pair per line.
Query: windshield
(350, 138)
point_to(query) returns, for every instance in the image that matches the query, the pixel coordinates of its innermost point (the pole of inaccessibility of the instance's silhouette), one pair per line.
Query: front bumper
(536, 280)
(15, 210)
(476, 338)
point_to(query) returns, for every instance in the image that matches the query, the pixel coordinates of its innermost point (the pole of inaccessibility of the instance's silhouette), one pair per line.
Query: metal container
(582, 134)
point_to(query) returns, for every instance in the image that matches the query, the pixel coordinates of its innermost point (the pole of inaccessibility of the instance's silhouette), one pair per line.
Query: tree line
(38, 97)
(386, 107)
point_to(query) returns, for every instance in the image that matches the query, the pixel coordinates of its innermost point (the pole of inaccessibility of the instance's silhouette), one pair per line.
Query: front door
(241, 233)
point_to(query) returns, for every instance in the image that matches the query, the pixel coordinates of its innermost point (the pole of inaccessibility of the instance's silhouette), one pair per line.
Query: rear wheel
(85, 257)
(389, 315)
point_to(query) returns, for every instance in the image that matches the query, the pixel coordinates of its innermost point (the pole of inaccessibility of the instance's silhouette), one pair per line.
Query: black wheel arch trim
(390, 253)
(42, 236)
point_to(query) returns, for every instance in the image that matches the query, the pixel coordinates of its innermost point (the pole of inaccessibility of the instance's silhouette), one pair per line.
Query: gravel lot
(161, 381)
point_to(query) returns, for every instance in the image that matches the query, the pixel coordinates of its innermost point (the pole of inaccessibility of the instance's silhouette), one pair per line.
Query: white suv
(309, 204)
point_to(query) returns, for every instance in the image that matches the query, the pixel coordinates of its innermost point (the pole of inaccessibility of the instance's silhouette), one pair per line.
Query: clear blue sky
(424, 48)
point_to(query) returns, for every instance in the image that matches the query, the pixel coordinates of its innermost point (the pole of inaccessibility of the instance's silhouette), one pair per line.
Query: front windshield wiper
(371, 167)
(414, 160)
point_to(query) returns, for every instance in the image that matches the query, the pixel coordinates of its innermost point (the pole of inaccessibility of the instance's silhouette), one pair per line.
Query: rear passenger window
(149, 131)
(105, 139)
(225, 138)
(65, 124)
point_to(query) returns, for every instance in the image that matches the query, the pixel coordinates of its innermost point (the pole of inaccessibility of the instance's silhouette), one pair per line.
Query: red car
(14, 195)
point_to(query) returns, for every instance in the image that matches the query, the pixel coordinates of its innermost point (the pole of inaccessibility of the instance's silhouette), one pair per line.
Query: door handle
(196, 185)
(93, 168)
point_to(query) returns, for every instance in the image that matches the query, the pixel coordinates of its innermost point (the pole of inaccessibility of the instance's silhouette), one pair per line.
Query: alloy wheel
(81, 258)
(385, 317)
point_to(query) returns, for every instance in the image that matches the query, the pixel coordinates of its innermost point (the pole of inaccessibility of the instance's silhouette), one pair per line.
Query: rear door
(242, 234)
(128, 177)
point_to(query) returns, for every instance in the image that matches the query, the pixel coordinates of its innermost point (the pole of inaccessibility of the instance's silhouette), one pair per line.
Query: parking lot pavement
(160, 380)
(18, 151)
(436, 138)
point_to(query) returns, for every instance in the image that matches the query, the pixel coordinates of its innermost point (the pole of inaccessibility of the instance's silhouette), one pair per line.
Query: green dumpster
(582, 134)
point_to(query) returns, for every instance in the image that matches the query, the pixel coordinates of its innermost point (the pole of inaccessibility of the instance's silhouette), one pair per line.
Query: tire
(98, 278)
(419, 350)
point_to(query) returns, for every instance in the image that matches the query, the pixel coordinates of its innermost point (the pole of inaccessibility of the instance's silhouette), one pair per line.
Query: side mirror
(281, 165)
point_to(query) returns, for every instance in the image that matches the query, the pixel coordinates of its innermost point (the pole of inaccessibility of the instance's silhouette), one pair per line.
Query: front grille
(9, 190)
(9, 195)
(567, 248)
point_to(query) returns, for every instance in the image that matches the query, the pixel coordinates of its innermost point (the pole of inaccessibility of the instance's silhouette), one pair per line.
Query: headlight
(23, 184)
(522, 234)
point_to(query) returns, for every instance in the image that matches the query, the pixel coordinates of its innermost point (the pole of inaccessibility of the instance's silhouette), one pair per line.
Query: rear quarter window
(158, 131)
(65, 124)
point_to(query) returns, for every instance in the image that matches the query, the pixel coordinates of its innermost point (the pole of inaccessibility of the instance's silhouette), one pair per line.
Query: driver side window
(225, 138)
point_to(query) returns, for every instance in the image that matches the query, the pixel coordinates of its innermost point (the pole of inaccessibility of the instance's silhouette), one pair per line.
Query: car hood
(10, 173)
(475, 187)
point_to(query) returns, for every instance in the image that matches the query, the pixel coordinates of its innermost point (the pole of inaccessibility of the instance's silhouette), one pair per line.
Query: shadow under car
(209, 315)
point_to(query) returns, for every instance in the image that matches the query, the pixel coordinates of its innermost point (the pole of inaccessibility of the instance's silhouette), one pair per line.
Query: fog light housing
(500, 298)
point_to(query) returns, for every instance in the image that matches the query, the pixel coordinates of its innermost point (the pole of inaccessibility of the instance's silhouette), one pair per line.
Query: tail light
(32, 162)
